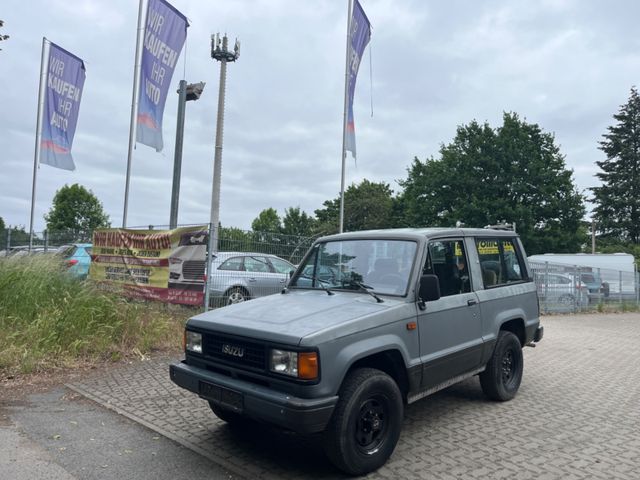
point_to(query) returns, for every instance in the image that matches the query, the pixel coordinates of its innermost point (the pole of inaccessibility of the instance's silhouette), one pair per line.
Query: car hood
(289, 318)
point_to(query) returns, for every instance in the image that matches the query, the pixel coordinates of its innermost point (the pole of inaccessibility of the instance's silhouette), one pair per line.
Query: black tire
(366, 423)
(236, 295)
(229, 416)
(501, 379)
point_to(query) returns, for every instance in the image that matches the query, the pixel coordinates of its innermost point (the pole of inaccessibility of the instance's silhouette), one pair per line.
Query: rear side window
(280, 266)
(66, 252)
(233, 264)
(501, 261)
(256, 265)
(588, 278)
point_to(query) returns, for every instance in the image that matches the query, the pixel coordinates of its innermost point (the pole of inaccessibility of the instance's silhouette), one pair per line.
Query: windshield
(382, 265)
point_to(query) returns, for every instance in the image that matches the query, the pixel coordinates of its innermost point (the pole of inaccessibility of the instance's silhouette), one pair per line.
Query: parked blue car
(77, 258)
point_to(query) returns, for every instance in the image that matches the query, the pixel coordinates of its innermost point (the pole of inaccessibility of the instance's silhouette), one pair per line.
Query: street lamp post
(185, 94)
(221, 53)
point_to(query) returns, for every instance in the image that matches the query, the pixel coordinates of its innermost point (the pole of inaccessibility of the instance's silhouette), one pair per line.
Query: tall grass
(49, 319)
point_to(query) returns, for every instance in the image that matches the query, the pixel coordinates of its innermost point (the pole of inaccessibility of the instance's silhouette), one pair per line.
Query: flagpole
(344, 115)
(134, 109)
(44, 65)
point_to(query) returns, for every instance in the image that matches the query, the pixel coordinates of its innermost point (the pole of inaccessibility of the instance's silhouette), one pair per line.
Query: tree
(75, 210)
(367, 206)
(3, 37)
(19, 236)
(267, 221)
(617, 210)
(514, 173)
(232, 239)
(297, 222)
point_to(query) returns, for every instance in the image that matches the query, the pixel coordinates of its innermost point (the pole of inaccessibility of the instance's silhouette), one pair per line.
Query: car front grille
(193, 269)
(236, 351)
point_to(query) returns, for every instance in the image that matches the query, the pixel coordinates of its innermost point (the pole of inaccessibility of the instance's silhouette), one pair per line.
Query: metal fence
(251, 264)
(14, 241)
(247, 264)
(290, 247)
(572, 288)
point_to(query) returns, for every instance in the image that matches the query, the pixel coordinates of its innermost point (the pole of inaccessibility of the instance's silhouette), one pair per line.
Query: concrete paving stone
(576, 417)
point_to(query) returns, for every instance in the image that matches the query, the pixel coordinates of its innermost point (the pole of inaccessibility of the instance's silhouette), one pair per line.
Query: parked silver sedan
(239, 276)
(559, 291)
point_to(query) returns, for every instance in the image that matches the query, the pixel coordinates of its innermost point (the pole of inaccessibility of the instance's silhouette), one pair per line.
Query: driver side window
(447, 260)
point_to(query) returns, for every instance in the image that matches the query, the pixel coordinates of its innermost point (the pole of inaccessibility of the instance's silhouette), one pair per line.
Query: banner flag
(63, 91)
(162, 265)
(164, 36)
(359, 37)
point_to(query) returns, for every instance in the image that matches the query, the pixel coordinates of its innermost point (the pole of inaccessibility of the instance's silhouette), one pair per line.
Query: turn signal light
(308, 365)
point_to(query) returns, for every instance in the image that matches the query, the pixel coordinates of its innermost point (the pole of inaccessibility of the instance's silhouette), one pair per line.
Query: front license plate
(224, 396)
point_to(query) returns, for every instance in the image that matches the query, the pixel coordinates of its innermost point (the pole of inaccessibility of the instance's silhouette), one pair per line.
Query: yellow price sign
(490, 247)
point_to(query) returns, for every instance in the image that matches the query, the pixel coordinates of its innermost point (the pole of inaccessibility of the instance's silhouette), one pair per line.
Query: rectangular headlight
(193, 341)
(284, 361)
(303, 365)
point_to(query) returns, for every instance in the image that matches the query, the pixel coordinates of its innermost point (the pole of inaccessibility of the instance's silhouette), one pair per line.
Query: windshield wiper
(319, 282)
(364, 288)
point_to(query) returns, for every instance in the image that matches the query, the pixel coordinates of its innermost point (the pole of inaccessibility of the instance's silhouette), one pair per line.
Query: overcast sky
(565, 64)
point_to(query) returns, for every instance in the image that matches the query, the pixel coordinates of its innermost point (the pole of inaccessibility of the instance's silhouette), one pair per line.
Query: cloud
(566, 65)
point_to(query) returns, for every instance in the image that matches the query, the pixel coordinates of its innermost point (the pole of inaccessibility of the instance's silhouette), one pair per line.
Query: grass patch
(50, 320)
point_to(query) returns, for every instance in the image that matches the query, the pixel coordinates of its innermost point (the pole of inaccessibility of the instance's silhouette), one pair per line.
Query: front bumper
(302, 415)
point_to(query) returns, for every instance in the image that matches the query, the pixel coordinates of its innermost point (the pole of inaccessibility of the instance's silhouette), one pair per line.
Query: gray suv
(369, 322)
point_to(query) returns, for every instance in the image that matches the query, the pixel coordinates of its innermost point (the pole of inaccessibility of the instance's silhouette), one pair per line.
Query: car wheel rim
(508, 367)
(236, 297)
(371, 425)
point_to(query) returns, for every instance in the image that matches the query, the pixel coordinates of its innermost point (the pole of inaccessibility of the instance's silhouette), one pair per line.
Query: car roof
(225, 255)
(420, 233)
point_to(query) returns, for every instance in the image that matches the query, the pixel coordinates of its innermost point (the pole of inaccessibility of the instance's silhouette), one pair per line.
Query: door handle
(252, 279)
(472, 301)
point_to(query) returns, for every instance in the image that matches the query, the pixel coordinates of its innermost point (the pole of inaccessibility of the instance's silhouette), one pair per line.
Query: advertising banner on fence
(164, 36)
(65, 80)
(163, 265)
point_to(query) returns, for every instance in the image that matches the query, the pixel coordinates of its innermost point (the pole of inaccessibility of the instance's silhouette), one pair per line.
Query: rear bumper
(302, 415)
(534, 333)
(539, 333)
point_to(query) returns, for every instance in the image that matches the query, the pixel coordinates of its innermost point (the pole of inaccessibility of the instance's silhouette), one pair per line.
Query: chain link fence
(251, 264)
(290, 247)
(247, 264)
(566, 288)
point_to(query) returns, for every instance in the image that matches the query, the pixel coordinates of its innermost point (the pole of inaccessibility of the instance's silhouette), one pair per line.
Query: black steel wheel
(366, 423)
(503, 374)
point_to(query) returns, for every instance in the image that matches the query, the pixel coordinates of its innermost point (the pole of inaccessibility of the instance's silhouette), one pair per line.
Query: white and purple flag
(359, 36)
(63, 92)
(164, 36)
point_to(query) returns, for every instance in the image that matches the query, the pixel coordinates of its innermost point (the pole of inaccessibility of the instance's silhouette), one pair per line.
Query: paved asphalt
(60, 435)
(577, 416)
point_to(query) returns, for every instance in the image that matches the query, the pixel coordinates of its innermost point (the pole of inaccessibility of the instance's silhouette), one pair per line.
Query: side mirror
(429, 288)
